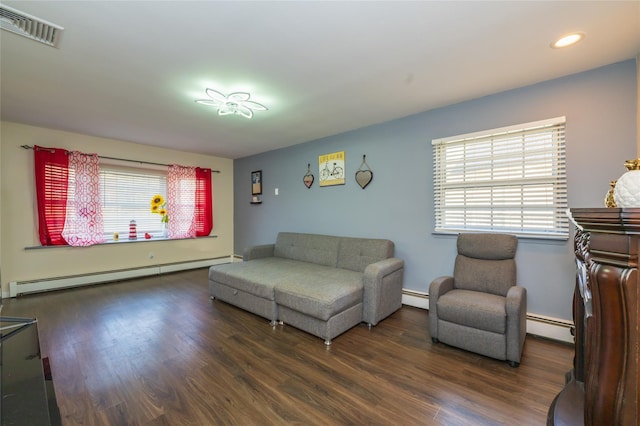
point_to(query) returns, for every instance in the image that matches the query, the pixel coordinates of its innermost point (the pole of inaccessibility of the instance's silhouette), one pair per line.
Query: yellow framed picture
(331, 169)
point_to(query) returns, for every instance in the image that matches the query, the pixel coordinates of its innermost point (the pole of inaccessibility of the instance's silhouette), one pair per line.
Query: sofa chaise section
(321, 284)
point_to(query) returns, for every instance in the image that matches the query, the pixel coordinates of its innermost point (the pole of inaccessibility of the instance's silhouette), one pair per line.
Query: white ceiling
(132, 70)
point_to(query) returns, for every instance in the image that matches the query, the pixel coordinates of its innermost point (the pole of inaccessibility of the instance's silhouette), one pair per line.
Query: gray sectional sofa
(321, 284)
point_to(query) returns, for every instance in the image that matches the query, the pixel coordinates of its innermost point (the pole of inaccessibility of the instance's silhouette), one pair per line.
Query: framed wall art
(256, 186)
(331, 169)
(256, 182)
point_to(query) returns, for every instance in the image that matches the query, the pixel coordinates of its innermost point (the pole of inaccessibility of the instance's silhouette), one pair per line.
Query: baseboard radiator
(539, 325)
(18, 288)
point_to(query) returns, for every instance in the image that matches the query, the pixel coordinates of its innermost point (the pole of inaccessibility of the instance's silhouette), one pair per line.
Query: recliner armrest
(516, 301)
(437, 288)
(257, 252)
(516, 306)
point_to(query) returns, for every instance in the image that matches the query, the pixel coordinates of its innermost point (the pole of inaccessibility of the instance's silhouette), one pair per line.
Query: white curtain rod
(117, 159)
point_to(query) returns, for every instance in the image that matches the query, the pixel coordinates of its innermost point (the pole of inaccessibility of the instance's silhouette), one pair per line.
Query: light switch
(276, 191)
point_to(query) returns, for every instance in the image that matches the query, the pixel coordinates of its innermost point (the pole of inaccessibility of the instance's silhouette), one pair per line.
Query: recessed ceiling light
(233, 103)
(568, 40)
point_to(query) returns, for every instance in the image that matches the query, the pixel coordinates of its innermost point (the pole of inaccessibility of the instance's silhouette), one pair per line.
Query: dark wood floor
(157, 351)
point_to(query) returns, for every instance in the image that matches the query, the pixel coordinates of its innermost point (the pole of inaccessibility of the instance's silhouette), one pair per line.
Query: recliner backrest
(486, 262)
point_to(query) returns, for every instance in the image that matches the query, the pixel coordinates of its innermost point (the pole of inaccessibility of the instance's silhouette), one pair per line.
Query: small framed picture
(256, 182)
(331, 169)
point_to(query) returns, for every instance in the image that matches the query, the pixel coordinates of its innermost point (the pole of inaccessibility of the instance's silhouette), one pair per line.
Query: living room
(600, 105)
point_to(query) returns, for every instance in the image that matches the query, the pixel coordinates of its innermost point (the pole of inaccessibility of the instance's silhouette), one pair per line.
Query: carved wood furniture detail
(602, 388)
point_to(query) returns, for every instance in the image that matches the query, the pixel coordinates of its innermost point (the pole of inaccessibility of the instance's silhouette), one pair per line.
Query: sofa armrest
(437, 288)
(257, 252)
(382, 289)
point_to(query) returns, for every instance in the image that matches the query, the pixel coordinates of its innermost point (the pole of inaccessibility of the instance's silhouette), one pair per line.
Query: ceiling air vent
(29, 26)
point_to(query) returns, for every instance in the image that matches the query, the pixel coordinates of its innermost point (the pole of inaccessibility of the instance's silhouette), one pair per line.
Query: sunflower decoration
(158, 206)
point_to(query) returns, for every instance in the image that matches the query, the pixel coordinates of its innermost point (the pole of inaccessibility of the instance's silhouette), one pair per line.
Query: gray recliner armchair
(480, 308)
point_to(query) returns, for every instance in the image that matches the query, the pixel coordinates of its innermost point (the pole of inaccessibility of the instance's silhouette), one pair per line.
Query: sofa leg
(435, 340)
(273, 323)
(327, 342)
(369, 325)
(513, 364)
(212, 297)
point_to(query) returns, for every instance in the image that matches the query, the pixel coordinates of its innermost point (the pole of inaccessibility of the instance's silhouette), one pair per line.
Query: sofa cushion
(258, 276)
(356, 254)
(474, 309)
(319, 249)
(321, 294)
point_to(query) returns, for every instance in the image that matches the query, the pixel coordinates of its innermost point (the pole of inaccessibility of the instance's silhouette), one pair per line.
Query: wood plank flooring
(158, 351)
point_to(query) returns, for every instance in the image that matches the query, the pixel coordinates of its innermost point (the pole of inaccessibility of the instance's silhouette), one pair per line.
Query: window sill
(123, 241)
(538, 237)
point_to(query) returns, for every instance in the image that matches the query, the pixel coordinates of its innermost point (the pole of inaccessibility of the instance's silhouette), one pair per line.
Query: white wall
(18, 225)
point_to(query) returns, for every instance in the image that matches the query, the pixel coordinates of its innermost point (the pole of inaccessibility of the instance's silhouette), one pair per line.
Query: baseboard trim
(538, 325)
(56, 283)
(415, 299)
(550, 328)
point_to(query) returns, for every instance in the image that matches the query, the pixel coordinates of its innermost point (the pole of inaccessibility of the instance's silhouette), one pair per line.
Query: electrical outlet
(276, 191)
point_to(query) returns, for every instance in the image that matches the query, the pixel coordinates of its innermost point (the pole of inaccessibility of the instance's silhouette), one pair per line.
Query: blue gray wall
(600, 108)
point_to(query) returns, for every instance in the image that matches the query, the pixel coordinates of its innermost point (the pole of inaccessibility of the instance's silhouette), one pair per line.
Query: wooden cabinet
(602, 388)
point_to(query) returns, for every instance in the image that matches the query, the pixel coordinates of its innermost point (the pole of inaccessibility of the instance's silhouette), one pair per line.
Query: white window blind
(126, 196)
(503, 180)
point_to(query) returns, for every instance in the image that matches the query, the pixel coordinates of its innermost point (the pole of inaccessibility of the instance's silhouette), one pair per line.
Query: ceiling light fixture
(234, 103)
(568, 40)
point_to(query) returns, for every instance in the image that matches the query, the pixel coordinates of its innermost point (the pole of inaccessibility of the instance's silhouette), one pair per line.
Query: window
(503, 180)
(126, 195)
(82, 202)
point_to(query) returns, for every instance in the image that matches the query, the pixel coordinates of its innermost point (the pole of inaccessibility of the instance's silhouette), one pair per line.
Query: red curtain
(204, 208)
(52, 175)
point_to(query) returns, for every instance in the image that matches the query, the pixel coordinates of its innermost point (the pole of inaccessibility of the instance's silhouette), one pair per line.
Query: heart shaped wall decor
(364, 177)
(308, 178)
